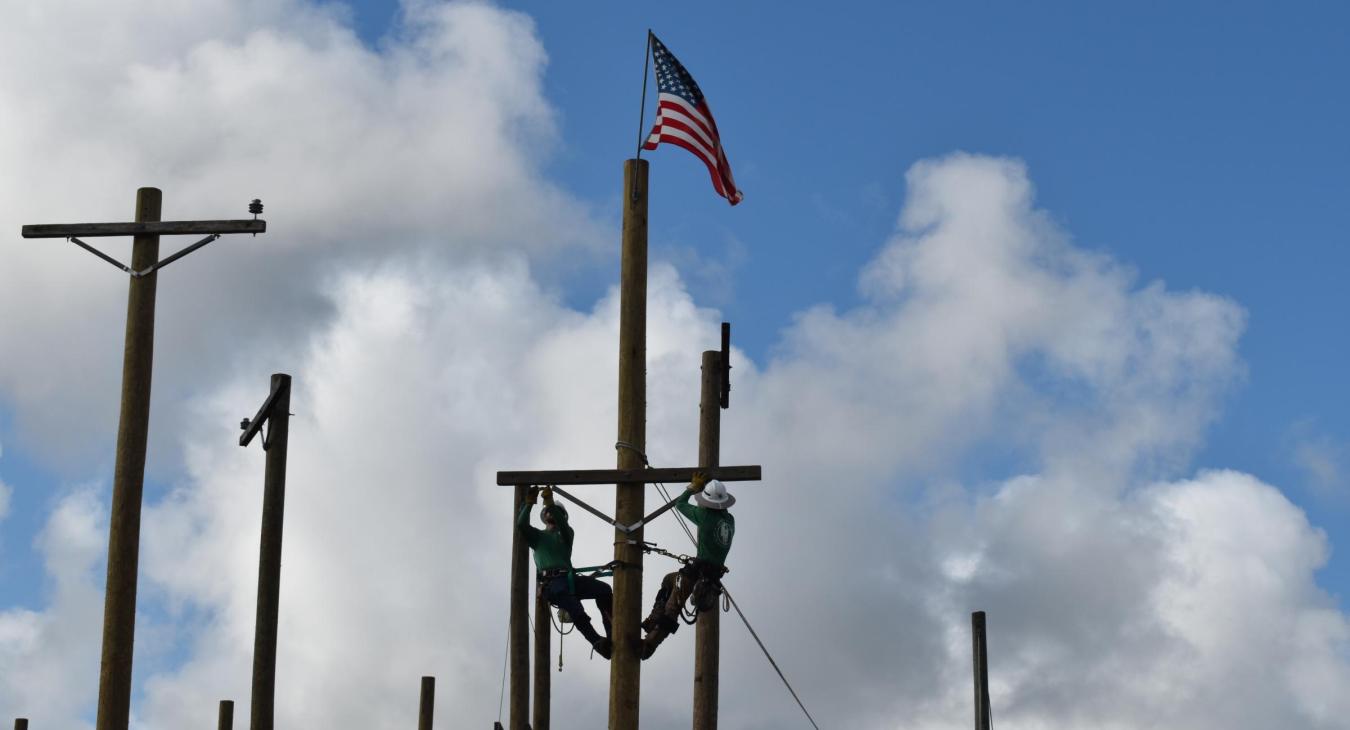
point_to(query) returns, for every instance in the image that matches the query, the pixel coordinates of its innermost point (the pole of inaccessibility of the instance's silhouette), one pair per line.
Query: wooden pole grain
(124, 525)
(625, 677)
(708, 632)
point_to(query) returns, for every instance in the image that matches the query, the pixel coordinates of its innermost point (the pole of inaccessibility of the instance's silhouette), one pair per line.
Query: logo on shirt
(724, 533)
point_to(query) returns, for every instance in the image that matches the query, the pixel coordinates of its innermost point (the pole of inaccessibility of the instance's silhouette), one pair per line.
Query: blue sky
(1197, 146)
(1201, 143)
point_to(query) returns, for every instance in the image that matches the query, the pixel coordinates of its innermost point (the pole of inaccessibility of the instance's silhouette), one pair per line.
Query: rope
(725, 592)
(764, 649)
(746, 621)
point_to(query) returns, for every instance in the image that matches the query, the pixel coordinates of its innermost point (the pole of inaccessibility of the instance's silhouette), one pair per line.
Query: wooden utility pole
(543, 680)
(426, 703)
(133, 426)
(982, 711)
(225, 720)
(630, 478)
(707, 635)
(276, 414)
(625, 670)
(21, 723)
(519, 623)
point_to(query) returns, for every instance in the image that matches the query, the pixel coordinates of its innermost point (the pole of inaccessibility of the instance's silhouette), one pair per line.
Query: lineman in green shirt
(716, 528)
(560, 585)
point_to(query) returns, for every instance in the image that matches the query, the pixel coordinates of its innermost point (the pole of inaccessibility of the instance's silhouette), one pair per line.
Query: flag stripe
(679, 109)
(692, 134)
(713, 170)
(684, 119)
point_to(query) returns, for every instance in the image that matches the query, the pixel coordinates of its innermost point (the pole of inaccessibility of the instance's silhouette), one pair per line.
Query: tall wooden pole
(520, 622)
(225, 720)
(543, 681)
(707, 636)
(426, 703)
(21, 723)
(262, 703)
(124, 527)
(625, 678)
(982, 713)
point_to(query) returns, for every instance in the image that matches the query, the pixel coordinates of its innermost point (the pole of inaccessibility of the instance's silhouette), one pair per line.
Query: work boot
(603, 646)
(653, 640)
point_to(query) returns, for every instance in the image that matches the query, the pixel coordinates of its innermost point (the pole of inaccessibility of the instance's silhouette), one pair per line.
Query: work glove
(532, 496)
(696, 484)
(548, 496)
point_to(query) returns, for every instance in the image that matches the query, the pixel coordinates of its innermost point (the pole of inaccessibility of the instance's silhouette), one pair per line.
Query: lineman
(716, 528)
(560, 585)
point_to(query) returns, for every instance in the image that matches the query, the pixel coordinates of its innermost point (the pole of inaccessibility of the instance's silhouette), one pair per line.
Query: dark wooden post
(262, 701)
(707, 636)
(21, 723)
(133, 428)
(520, 624)
(982, 712)
(225, 720)
(543, 680)
(426, 702)
(625, 678)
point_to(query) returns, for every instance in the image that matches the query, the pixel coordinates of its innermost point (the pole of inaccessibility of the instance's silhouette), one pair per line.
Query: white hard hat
(715, 496)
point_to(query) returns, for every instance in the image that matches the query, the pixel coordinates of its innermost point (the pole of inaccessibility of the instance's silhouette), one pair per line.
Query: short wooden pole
(543, 678)
(124, 526)
(982, 711)
(225, 719)
(625, 677)
(707, 634)
(21, 723)
(519, 650)
(262, 703)
(426, 703)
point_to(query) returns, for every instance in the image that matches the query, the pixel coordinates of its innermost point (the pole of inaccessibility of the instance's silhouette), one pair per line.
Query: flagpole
(642, 108)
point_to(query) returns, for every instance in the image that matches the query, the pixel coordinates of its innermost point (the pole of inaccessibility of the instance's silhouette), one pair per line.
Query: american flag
(684, 119)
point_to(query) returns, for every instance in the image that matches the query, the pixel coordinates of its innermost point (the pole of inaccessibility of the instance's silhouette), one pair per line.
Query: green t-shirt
(716, 528)
(552, 548)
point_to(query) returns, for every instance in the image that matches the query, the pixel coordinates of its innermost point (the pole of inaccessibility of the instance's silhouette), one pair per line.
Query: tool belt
(544, 576)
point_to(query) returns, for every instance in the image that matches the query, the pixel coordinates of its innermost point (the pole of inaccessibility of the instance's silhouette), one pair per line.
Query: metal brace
(150, 269)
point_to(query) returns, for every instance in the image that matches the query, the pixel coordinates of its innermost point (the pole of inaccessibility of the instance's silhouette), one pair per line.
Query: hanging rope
(745, 620)
(684, 525)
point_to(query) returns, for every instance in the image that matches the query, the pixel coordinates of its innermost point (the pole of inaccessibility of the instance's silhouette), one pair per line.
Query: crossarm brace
(626, 529)
(149, 269)
(594, 511)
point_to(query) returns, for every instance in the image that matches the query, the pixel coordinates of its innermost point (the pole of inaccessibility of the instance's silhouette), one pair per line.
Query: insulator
(255, 207)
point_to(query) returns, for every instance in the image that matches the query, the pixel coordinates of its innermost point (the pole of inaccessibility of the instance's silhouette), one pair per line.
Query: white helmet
(715, 496)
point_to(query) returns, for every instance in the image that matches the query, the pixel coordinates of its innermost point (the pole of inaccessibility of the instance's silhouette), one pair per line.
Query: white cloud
(1323, 460)
(49, 658)
(434, 145)
(426, 356)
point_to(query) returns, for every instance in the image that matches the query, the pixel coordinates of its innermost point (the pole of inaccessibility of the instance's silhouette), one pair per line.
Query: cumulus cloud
(1005, 423)
(861, 557)
(50, 657)
(433, 145)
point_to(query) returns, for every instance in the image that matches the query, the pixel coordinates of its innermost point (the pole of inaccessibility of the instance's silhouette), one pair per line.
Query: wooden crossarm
(618, 476)
(155, 228)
